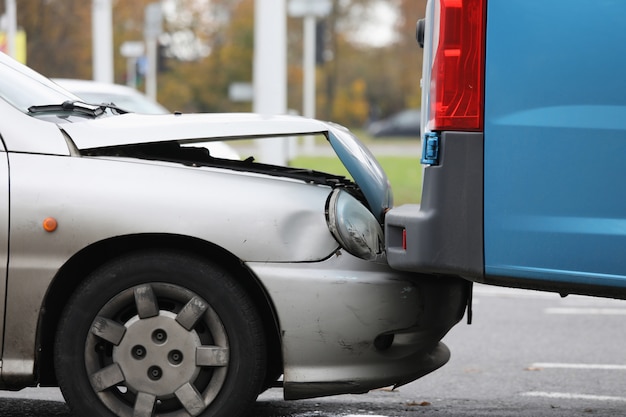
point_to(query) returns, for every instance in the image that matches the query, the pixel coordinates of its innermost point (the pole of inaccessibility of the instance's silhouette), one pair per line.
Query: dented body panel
(147, 200)
(378, 327)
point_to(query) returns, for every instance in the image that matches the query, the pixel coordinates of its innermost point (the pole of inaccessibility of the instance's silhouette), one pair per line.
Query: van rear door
(555, 142)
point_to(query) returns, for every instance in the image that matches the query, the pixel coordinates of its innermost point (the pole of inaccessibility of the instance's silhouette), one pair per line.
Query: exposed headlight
(354, 226)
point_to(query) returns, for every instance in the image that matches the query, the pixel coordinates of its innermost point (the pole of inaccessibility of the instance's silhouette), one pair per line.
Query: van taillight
(456, 84)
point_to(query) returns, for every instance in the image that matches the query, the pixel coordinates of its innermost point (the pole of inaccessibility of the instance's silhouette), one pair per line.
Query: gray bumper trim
(445, 234)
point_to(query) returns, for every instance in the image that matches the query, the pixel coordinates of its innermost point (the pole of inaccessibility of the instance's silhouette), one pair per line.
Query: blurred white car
(404, 124)
(132, 100)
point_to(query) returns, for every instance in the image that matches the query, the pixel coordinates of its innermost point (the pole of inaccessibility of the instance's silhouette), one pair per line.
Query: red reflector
(404, 239)
(458, 67)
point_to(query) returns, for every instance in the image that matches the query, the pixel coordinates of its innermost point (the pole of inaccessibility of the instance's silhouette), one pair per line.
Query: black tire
(162, 334)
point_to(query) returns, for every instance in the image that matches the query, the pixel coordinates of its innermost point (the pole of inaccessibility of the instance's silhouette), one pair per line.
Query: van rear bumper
(443, 235)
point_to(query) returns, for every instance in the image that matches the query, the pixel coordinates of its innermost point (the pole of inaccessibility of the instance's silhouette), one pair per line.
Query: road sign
(132, 49)
(302, 8)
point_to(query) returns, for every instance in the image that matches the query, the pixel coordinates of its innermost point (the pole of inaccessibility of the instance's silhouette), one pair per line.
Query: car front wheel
(160, 334)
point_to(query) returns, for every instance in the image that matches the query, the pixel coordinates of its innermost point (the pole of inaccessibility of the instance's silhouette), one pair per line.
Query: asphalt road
(527, 354)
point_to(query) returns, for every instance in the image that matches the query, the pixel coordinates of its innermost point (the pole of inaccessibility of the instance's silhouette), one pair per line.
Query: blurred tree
(205, 82)
(391, 72)
(351, 105)
(407, 48)
(71, 53)
(209, 45)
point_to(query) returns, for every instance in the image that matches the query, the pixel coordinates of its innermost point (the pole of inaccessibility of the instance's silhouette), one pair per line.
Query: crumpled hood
(131, 129)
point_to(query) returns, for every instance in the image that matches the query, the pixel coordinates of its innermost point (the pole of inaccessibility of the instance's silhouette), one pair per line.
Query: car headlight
(354, 226)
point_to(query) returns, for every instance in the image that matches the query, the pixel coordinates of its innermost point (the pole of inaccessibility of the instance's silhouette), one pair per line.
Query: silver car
(147, 278)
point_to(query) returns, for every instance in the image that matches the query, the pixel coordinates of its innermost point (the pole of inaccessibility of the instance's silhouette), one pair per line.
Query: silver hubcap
(157, 348)
(157, 355)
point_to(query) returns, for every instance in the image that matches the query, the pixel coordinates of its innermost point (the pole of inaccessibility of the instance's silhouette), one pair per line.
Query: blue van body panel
(555, 141)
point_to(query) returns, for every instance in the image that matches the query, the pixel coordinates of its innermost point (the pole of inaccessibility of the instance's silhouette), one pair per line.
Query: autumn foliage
(355, 82)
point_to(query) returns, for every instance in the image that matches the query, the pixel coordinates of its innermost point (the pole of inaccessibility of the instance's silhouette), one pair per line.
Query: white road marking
(485, 290)
(586, 311)
(571, 396)
(495, 291)
(587, 366)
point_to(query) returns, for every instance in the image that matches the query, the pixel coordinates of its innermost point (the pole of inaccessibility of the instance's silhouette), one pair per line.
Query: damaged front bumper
(349, 325)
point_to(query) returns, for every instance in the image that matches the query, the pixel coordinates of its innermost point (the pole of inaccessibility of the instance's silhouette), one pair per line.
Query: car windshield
(22, 87)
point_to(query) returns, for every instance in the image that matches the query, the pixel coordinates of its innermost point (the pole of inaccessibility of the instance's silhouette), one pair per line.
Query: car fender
(261, 219)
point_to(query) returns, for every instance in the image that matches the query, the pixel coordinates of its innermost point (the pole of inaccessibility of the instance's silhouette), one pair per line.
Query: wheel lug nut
(175, 357)
(138, 352)
(159, 336)
(155, 373)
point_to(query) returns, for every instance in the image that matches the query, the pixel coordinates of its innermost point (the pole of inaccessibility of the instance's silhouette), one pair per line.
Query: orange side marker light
(50, 224)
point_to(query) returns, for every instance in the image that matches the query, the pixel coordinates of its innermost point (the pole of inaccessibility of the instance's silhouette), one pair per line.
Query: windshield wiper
(76, 107)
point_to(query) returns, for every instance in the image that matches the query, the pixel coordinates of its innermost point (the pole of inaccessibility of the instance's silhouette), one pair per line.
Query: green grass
(404, 173)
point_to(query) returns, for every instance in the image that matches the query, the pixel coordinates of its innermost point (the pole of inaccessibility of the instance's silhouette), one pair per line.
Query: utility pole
(310, 11)
(153, 27)
(11, 16)
(102, 40)
(270, 71)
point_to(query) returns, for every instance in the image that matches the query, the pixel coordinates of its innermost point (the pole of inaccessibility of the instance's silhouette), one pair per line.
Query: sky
(378, 25)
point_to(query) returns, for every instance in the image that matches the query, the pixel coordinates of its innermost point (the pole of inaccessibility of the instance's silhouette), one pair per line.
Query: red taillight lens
(458, 67)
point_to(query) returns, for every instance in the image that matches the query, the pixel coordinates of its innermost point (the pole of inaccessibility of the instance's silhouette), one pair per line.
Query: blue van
(524, 147)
